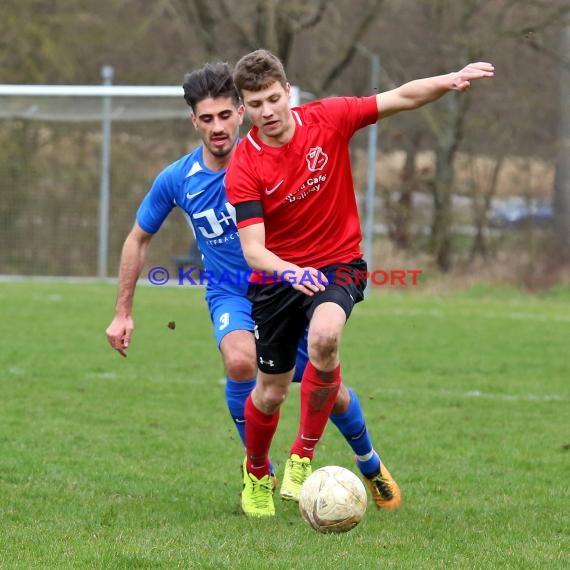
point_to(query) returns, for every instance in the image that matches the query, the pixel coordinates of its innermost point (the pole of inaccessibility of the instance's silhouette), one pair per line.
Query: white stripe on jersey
(195, 168)
(296, 115)
(255, 145)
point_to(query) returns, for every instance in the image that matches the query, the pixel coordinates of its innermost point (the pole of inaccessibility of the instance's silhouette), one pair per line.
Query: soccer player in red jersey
(291, 184)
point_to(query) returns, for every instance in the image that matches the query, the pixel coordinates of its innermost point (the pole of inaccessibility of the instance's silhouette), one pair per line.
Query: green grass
(134, 463)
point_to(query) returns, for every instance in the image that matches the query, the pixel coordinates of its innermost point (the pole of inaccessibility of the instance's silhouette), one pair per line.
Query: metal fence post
(371, 171)
(104, 193)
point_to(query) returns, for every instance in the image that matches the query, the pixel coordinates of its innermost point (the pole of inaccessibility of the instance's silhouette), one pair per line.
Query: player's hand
(461, 80)
(308, 280)
(119, 334)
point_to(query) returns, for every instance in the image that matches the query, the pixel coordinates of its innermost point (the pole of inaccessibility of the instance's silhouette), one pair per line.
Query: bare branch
(554, 56)
(244, 36)
(196, 16)
(527, 35)
(205, 25)
(365, 23)
(549, 18)
(311, 20)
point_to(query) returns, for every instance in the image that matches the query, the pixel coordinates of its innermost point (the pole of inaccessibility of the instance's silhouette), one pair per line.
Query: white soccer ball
(332, 499)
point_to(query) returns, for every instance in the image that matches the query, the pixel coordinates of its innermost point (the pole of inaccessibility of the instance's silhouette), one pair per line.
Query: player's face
(268, 109)
(218, 121)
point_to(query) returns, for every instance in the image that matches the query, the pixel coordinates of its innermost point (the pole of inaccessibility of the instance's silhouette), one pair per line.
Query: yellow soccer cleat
(297, 470)
(384, 490)
(257, 495)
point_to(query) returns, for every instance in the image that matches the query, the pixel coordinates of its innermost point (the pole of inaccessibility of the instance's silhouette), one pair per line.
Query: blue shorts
(229, 313)
(233, 313)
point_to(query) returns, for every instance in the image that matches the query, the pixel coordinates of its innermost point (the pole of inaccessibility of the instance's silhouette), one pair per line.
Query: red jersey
(305, 186)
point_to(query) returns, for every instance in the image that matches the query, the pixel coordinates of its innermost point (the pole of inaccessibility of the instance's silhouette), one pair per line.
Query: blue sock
(352, 426)
(302, 358)
(236, 395)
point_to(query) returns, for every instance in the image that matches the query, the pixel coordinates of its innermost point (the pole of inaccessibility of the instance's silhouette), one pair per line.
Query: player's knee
(323, 346)
(240, 365)
(272, 397)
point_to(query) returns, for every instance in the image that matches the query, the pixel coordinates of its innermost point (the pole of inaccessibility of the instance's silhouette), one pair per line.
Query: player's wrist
(289, 275)
(121, 313)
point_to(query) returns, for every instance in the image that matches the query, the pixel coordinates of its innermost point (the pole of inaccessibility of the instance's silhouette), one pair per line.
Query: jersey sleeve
(242, 188)
(349, 114)
(158, 202)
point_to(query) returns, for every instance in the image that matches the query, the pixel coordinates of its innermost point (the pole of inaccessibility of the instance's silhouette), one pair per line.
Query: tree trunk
(402, 210)
(266, 32)
(562, 177)
(483, 193)
(441, 227)
(447, 145)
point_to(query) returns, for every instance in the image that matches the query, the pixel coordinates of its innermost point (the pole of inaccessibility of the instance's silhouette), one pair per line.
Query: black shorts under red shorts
(281, 313)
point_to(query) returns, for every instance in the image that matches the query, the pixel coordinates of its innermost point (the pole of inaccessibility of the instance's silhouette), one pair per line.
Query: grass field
(133, 463)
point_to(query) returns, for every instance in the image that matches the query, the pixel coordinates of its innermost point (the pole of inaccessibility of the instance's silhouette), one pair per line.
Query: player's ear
(194, 120)
(241, 111)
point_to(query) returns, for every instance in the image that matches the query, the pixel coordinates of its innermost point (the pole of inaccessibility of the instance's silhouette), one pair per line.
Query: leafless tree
(562, 179)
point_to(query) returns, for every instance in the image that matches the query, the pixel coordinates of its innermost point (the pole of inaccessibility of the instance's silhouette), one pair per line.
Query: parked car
(518, 212)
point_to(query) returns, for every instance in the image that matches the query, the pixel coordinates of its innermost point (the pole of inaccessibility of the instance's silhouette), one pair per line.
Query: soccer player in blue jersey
(196, 184)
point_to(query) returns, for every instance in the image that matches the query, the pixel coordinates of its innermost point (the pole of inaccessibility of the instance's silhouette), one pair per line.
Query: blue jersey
(201, 194)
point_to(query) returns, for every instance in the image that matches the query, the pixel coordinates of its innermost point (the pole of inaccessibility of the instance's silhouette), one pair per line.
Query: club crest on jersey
(316, 158)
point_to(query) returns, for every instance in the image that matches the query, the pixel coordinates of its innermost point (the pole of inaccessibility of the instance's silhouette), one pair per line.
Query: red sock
(318, 393)
(259, 431)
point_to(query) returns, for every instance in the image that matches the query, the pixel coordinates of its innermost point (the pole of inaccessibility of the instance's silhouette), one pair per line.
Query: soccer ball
(332, 499)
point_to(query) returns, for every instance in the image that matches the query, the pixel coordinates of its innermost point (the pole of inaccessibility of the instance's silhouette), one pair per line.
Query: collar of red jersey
(254, 139)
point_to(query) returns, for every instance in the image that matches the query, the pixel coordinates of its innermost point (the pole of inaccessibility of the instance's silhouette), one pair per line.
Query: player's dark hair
(257, 70)
(213, 80)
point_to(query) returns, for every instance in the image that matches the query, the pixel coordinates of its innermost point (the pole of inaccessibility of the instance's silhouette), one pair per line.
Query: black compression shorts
(281, 313)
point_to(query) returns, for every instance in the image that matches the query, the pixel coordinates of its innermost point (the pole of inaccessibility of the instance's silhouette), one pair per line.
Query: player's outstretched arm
(133, 255)
(422, 91)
